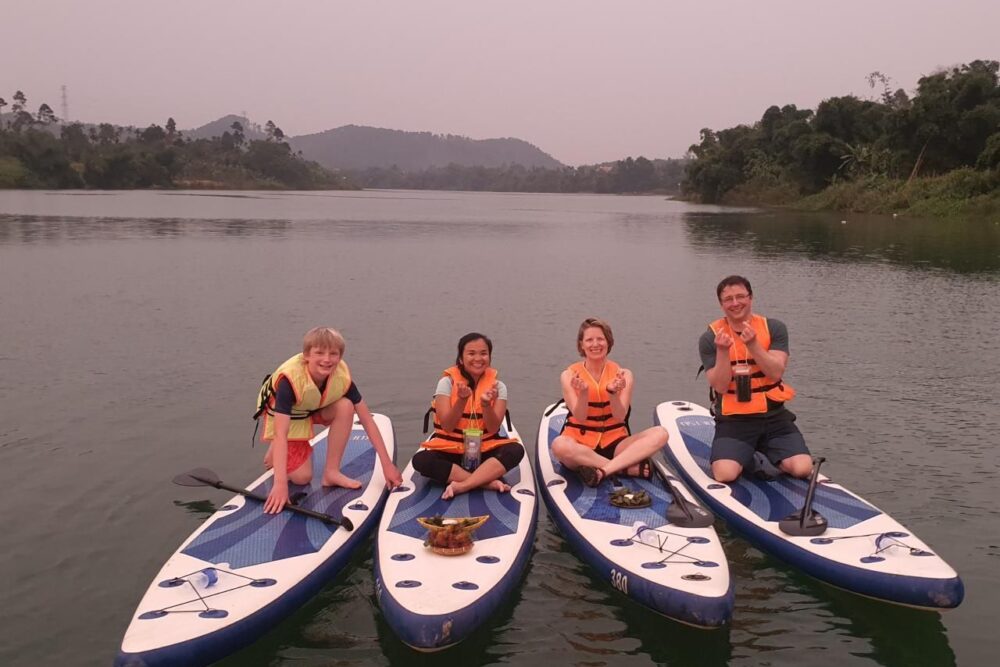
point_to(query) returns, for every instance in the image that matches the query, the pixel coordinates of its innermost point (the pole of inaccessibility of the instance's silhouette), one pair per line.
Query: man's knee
(799, 465)
(726, 471)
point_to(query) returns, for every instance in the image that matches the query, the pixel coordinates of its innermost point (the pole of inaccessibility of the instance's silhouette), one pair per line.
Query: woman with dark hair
(596, 441)
(469, 405)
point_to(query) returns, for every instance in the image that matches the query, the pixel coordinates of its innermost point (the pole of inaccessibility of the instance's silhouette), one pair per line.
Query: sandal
(645, 469)
(590, 475)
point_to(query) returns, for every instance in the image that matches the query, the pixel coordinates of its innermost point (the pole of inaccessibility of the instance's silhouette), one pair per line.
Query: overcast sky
(585, 81)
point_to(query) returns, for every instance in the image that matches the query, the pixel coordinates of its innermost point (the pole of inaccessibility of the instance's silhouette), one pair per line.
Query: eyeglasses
(734, 298)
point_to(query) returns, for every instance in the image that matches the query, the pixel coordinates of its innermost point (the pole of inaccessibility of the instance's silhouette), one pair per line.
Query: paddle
(681, 512)
(205, 477)
(806, 522)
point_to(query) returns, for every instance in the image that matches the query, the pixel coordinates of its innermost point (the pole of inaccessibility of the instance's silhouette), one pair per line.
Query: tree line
(36, 151)
(639, 175)
(951, 123)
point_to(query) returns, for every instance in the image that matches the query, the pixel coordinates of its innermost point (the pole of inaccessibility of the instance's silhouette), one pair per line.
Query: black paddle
(205, 477)
(806, 522)
(681, 512)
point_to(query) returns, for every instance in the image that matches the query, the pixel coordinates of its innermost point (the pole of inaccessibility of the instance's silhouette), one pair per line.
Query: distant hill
(359, 147)
(251, 131)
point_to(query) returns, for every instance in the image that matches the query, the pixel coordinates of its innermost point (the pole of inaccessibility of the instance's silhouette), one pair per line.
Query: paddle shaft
(678, 500)
(811, 492)
(325, 518)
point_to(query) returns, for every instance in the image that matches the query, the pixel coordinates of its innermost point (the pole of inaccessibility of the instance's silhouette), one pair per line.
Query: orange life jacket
(761, 386)
(453, 442)
(599, 429)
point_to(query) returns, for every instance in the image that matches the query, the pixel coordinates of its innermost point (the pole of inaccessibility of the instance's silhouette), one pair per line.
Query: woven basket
(472, 522)
(454, 551)
(465, 525)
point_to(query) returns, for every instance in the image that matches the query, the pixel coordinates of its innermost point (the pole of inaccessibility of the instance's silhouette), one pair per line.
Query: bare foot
(340, 479)
(450, 492)
(498, 486)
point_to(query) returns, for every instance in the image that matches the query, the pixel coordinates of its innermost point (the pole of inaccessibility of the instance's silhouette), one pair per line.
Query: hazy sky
(585, 81)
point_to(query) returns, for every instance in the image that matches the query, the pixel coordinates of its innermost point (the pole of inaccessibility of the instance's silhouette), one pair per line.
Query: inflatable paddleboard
(680, 572)
(431, 600)
(242, 571)
(862, 549)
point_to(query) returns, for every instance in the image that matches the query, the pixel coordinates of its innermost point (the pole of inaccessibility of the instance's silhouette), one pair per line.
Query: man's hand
(748, 335)
(723, 341)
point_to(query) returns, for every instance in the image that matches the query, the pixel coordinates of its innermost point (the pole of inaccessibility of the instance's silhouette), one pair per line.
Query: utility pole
(65, 106)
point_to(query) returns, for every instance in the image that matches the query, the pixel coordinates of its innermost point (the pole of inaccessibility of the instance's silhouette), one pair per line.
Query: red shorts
(299, 452)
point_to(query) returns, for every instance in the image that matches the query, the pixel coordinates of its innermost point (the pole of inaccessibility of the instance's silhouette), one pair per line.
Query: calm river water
(136, 327)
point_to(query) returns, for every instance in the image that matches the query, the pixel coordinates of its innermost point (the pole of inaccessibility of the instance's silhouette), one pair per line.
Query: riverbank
(963, 193)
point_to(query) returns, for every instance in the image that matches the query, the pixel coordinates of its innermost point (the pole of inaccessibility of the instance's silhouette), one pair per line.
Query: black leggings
(436, 464)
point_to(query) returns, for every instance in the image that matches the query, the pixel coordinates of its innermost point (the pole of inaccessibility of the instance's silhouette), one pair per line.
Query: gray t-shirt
(444, 388)
(779, 342)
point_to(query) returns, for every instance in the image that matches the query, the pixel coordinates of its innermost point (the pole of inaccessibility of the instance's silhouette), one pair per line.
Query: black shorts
(437, 464)
(776, 436)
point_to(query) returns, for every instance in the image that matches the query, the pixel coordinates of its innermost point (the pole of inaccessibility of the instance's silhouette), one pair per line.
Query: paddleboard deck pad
(242, 571)
(863, 549)
(430, 600)
(681, 573)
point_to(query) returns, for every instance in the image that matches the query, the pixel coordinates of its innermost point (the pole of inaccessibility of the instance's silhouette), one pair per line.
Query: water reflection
(201, 509)
(23, 229)
(960, 246)
(777, 606)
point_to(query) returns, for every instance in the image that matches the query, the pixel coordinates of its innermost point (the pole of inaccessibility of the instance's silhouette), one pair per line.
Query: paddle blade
(700, 517)
(197, 477)
(815, 524)
(346, 524)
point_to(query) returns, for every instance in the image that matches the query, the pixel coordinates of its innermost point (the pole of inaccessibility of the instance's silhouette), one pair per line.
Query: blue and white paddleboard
(862, 550)
(432, 601)
(681, 573)
(242, 571)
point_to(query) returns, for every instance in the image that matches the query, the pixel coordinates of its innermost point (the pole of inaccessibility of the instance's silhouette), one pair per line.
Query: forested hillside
(881, 154)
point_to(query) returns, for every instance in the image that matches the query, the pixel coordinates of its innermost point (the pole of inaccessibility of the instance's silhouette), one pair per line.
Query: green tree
(45, 115)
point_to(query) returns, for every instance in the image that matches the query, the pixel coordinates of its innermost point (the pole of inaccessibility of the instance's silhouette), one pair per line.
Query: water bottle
(473, 441)
(742, 378)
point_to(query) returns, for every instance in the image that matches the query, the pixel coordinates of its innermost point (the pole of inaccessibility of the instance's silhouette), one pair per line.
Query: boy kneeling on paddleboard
(311, 389)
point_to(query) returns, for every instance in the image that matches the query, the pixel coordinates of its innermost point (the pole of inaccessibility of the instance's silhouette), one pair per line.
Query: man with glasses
(745, 355)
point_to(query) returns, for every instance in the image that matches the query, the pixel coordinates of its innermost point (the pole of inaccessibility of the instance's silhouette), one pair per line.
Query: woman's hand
(617, 382)
(489, 396)
(463, 390)
(578, 383)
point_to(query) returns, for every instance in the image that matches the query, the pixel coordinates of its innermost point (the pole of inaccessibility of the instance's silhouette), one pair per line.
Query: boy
(314, 389)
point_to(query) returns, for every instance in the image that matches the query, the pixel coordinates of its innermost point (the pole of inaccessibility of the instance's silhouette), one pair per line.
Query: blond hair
(600, 324)
(323, 338)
